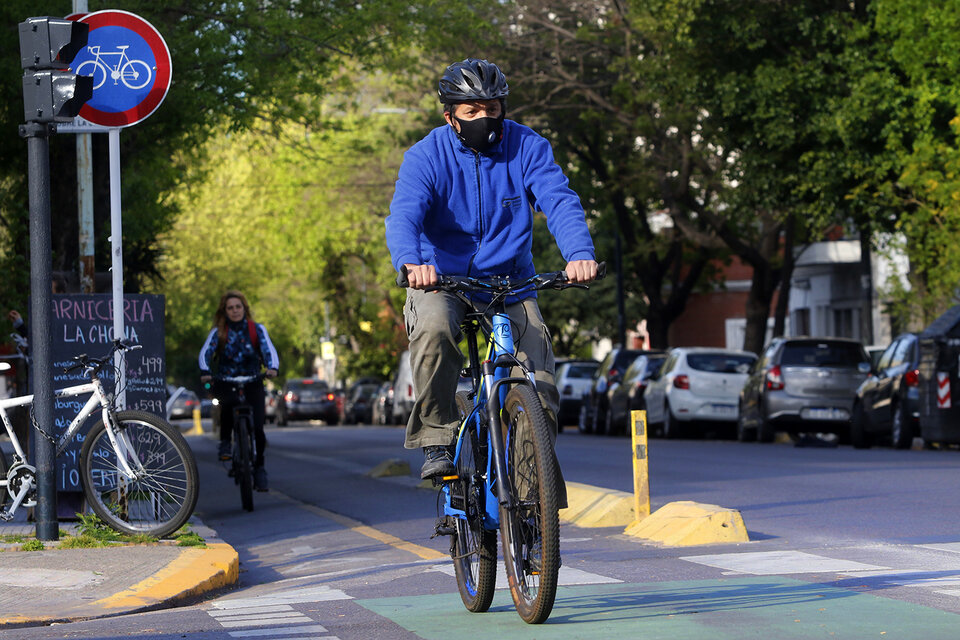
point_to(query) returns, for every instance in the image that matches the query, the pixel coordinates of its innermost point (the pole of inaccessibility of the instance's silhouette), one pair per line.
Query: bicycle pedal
(6, 516)
(443, 529)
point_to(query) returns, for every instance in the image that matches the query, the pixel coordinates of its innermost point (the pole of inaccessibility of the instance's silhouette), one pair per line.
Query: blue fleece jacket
(470, 213)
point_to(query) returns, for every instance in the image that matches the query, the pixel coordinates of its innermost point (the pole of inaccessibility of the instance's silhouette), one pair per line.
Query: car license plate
(817, 413)
(724, 409)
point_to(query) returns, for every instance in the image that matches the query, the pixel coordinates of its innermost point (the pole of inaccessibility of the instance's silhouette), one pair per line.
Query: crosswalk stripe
(261, 616)
(235, 612)
(263, 633)
(249, 623)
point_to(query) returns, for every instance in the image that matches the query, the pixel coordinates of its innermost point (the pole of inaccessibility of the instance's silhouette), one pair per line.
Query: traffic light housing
(51, 93)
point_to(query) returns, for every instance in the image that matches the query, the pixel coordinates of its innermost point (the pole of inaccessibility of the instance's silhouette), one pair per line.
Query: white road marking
(300, 619)
(567, 576)
(262, 633)
(247, 610)
(301, 551)
(769, 563)
(320, 593)
(953, 547)
(910, 577)
(261, 616)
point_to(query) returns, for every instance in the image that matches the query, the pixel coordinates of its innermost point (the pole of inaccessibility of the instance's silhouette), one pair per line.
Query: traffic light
(51, 93)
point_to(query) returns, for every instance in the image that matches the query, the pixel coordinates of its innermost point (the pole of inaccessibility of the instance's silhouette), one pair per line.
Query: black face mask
(481, 134)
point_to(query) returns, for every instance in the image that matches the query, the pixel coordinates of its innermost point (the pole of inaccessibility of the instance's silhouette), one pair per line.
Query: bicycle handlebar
(238, 379)
(502, 284)
(95, 364)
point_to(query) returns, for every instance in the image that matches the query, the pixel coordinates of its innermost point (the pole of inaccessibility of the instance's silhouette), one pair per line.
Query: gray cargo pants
(433, 327)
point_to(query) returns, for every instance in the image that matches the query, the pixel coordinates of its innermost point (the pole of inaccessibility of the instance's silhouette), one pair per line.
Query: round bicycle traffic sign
(131, 68)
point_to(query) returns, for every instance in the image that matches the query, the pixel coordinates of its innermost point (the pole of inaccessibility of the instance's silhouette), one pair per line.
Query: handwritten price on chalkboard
(150, 365)
(152, 406)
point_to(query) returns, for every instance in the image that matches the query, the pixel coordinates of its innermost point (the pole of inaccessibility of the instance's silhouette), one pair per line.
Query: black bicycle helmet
(472, 79)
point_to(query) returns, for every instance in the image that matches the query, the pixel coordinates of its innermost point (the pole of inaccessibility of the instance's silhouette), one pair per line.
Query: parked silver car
(802, 385)
(574, 379)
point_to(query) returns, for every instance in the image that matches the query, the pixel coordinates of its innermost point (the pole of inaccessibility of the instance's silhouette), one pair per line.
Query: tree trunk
(786, 274)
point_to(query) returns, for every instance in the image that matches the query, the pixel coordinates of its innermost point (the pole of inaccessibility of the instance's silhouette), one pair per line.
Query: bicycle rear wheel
(244, 461)
(474, 549)
(530, 531)
(162, 497)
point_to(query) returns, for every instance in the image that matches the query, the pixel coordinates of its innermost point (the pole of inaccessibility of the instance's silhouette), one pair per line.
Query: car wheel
(901, 435)
(599, 417)
(671, 428)
(584, 423)
(859, 437)
(765, 430)
(281, 418)
(744, 433)
(609, 428)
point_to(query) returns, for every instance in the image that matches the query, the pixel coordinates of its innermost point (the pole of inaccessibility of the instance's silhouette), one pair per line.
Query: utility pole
(51, 93)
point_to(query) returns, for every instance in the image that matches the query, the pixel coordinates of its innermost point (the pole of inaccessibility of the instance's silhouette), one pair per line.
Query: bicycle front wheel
(161, 496)
(530, 531)
(474, 549)
(244, 462)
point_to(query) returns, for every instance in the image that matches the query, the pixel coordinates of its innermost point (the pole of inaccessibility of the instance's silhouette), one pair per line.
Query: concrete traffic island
(685, 523)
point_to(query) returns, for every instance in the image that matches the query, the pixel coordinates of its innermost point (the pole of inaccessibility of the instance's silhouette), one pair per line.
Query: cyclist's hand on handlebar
(421, 276)
(271, 373)
(581, 270)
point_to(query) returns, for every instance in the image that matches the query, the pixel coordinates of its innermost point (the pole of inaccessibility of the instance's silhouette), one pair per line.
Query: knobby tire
(159, 502)
(474, 549)
(530, 532)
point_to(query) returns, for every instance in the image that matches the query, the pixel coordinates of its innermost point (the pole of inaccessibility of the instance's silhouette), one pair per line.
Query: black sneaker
(260, 479)
(437, 461)
(225, 452)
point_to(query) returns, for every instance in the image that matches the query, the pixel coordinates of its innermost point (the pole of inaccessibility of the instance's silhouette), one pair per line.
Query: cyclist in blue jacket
(463, 206)
(240, 346)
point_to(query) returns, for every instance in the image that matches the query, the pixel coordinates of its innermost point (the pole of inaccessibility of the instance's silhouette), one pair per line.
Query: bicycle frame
(97, 398)
(490, 393)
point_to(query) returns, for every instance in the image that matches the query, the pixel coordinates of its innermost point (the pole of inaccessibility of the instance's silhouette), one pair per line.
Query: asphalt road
(844, 544)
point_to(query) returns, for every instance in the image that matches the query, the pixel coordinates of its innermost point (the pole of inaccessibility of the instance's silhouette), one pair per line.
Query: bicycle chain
(36, 425)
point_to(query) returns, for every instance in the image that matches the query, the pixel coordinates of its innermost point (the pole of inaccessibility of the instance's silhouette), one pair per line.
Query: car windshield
(365, 391)
(581, 369)
(822, 354)
(720, 362)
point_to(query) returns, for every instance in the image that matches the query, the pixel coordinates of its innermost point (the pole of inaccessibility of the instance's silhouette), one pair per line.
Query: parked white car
(694, 384)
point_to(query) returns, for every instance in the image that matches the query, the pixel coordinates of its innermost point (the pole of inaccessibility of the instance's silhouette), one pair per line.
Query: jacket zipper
(476, 166)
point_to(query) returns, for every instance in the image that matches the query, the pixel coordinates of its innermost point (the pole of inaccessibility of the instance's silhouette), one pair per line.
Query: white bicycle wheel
(95, 69)
(135, 74)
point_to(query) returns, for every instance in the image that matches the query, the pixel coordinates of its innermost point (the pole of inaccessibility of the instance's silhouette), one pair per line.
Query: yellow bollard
(641, 472)
(197, 429)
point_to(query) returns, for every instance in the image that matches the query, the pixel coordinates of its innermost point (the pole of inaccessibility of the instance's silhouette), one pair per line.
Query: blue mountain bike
(508, 477)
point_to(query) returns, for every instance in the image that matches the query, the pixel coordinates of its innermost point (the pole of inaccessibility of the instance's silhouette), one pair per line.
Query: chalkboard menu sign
(83, 323)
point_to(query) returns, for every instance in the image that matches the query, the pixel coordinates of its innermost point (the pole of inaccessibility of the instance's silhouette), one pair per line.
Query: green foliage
(32, 545)
(292, 215)
(94, 530)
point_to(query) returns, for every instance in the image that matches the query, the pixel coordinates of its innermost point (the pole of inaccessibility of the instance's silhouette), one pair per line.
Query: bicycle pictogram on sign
(135, 74)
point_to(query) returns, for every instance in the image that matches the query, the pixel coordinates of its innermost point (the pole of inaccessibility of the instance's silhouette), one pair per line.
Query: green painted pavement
(766, 608)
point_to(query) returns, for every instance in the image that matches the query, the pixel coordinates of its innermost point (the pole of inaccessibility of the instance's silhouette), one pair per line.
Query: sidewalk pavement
(62, 585)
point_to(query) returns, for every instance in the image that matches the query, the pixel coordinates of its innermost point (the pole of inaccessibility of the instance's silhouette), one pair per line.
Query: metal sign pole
(38, 171)
(116, 244)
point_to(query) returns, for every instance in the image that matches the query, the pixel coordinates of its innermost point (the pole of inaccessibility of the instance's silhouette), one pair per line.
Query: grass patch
(13, 538)
(32, 545)
(91, 526)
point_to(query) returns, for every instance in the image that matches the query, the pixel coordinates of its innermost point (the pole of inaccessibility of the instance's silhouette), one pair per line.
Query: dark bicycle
(242, 461)
(508, 477)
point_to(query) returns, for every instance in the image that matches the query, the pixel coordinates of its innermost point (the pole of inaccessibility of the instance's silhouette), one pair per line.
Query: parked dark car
(627, 396)
(593, 411)
(888, 402)
(382, 410)
(183, 404)
(573, 379)
(802, 385)
(359, 403)
(307, 398)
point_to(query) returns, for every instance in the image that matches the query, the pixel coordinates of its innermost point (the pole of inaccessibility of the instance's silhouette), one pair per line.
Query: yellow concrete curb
(590, 506)
(686, 523)
(195, 571)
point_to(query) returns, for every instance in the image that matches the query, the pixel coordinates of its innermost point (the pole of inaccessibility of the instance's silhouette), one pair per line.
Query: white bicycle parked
(138, 473)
